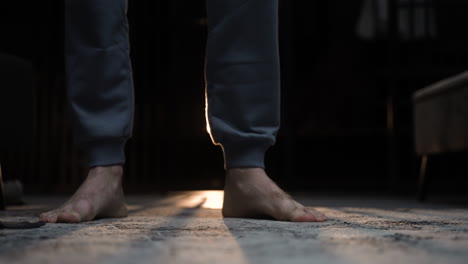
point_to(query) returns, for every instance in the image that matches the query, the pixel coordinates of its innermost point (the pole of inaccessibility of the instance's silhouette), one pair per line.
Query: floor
(187, 227)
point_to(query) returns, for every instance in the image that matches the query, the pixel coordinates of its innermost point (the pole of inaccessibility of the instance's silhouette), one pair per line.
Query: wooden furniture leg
(2, 200)
(422, 184)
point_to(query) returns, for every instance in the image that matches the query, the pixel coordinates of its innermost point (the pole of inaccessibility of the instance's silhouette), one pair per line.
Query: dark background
(346, 104)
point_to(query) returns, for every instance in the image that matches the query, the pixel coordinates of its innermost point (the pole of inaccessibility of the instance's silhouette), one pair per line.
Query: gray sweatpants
(242, 78)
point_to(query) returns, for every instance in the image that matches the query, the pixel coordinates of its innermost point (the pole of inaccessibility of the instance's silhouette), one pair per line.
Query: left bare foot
(250, 193)
(100, 195)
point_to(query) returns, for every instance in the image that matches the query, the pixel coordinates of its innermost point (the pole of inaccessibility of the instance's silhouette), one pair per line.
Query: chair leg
(422, 184)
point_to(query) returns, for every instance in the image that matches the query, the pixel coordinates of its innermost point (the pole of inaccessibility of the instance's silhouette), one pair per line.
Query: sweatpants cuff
(106, 153)
(241, 156)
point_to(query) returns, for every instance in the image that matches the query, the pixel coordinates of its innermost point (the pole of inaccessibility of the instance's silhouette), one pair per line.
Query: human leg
(100, 94)
(243, 105)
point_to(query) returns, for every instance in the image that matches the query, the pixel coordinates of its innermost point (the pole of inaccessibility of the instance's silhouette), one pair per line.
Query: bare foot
(100, 195)
(250, 193)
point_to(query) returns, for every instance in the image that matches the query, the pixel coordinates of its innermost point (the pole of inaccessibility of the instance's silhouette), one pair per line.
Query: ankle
(114, 170)
(243, 172)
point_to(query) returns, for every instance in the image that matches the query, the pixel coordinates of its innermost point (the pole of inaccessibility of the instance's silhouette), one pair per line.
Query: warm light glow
(203, 199)
(207, 119)
(214, 199)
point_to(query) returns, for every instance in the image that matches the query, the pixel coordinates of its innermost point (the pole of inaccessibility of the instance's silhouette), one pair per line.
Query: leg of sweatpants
(243, 79)
(99, 78)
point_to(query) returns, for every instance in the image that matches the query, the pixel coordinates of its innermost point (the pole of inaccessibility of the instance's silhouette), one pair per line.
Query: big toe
(307, 216)
(49, 217)
(321, 216)
(60, 216)
(43, 216)
(69, 217)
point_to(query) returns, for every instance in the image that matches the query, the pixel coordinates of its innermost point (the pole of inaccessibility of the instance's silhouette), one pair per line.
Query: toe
(308, 215)
(46, 215)
(320, 216)
(69, 217)
(301, 215)
(51, 218)
(305, 217)
(43, 216)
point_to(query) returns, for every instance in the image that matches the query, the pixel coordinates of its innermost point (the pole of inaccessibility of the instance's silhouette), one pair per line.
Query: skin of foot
(250, 193)
(99, 196)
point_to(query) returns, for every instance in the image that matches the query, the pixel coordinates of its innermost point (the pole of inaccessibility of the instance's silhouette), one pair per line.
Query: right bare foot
(250, 193)
(100, 195)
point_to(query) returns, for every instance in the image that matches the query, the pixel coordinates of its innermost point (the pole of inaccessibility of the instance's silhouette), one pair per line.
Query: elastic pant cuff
(106, 153)
(241, 156)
